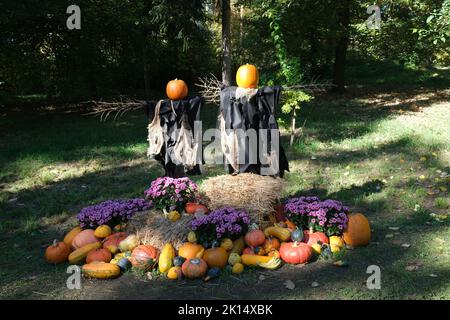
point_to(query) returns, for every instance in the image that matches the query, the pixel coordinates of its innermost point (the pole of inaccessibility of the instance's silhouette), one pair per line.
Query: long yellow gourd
(253, 259)
(166, 258)
(79, 255)
(101, 270)
(284, 234)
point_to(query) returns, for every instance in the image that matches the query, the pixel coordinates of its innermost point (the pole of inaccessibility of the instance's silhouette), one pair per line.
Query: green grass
(383, 152)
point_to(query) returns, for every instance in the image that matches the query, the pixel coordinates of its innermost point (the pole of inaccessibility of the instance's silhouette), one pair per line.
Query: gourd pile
(106, 252)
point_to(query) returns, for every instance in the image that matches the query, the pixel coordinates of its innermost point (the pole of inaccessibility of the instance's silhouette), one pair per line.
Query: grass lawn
(382, 149)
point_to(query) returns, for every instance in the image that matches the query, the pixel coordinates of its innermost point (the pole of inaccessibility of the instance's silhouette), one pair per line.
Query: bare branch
(104, 109)
(210, 89)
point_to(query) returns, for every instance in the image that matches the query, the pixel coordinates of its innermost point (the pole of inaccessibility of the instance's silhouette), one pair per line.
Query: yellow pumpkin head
(247, 77)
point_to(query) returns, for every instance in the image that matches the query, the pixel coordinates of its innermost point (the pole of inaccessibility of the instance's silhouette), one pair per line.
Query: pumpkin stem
(295, 245)
(311, 230)
(55, 243)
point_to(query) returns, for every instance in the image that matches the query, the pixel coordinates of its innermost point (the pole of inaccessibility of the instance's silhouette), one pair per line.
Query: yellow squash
(166, 258)
(101, 270)
(79, 255)
(283, 234)
(254, 260)
(70, 235)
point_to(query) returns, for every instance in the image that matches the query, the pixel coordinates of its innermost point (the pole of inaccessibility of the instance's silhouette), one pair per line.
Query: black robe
(256, 113)
(171, 123)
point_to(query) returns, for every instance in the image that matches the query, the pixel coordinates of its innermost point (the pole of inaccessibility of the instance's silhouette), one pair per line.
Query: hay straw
(153, 228)
(254, 193)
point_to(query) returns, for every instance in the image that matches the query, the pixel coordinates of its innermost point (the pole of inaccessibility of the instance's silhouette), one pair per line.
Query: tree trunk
(226, 42)
(146, 70)
(341, 46)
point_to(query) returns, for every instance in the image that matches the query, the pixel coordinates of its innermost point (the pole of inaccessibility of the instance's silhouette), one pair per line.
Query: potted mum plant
(168, 194)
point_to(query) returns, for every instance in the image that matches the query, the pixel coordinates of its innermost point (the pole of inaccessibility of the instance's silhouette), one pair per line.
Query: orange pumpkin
(247, 76)
(192, 208)
(83, 238)
(194, 268)
(216, 257)
(70, 235)
(357, 233)
(100, 254)
(255, 238)
(295, 252)
(290, 225)
(58, 252)
(190, 250)
(315, 237)
(144, 257)
(176, 89)
(112, 242)
(271, 243)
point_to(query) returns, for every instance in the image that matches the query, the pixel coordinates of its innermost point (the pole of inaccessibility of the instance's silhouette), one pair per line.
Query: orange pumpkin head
(194, 268)
(102, 254)
(295, 252)
(58, 252)
(358, 231)
(190, 250)
(176, 89)
(144, 257)
(247, 76)
(216, 257)
(83, 238)
(255, 238)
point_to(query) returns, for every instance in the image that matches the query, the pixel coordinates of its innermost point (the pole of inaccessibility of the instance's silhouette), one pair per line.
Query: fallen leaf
(406, 245)
(340, 263)
(394, 228)
(434, 154)
(12, 200)
(315, 284)
(422, 177)
(433, 275)
(423, 159)
(289, 285)
(389, 236)
(443, 189)
(402, 160)
(149, 276)
(412, 266)
(262, 278)
(313, 158)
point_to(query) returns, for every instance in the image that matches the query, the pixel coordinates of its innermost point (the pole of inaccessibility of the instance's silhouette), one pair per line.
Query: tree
(226, 42)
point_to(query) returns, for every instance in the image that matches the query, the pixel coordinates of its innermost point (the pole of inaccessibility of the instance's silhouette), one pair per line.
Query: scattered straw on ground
(254, 193)
(153, 228)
